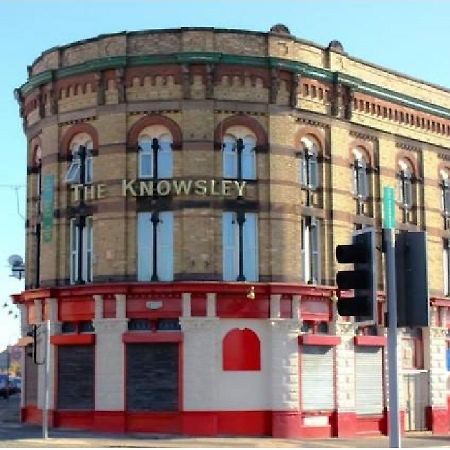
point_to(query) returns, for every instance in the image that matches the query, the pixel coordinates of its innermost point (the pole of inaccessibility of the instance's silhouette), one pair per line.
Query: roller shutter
(31, 381)
(369, 380)
(152, 377)
(76, 377)
(317, 378)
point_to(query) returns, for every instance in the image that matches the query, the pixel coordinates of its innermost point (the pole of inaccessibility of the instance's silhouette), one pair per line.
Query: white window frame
(164, 155)
(360, 171)
(405, 185)
(445, 195)
(309, 174)
(230, 246)
(446, 266)
(230, 154)
(164, 242)
(73, 172)
(87, 251)
(311, 257)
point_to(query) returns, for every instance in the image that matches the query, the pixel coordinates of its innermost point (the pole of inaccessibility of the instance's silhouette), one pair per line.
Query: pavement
(16, 435)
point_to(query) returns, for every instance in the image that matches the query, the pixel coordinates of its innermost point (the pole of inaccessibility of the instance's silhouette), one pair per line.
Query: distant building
(11, 359)
(186, 191)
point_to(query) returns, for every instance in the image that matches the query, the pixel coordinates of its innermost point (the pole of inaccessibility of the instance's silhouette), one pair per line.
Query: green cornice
(255, 61)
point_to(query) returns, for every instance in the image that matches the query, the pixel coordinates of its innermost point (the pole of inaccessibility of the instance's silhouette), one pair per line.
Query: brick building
(186, 191)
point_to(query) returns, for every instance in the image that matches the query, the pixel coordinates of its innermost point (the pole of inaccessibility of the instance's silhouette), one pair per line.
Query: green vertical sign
(47, 207)
(388, 208)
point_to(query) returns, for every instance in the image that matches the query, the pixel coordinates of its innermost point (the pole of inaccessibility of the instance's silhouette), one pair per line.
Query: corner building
(186, 191)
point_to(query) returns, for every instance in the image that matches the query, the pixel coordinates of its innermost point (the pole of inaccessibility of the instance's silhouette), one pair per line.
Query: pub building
(186, 190)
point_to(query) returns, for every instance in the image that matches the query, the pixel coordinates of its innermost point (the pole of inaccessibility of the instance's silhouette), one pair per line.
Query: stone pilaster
(200, 353)
(110, 364)
(285, 377)
(55, 328)
(437, 346)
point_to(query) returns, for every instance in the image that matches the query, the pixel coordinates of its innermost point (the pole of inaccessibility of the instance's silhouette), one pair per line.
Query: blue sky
(408, 36)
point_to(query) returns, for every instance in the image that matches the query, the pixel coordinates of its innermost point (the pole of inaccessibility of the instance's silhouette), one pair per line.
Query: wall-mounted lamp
(251, 293)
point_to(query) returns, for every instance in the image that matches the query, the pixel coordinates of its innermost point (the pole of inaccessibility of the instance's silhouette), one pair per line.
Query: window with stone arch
(360, 166)
(239, 153)
(155, 154)
(406, 189)
(79, 142)
(309, 163)
(445, 192)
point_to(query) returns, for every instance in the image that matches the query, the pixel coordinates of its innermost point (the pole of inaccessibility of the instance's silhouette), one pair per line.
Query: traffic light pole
(391, 292)
(46, 381)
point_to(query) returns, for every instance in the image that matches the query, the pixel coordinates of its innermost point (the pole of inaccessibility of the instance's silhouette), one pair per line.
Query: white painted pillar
(98, 306)
(275, 312)
(186, 304)
(55, 328)
(200, 348)
(284, 364)
(110, 358)
(23, 333)
(436, 338)
(211, 305)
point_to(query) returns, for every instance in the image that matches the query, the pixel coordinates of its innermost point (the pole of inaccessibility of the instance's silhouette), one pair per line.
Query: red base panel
(437, 420)
(278, 424)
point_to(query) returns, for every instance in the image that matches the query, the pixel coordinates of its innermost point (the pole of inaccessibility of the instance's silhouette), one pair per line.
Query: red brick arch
(244, 121)
(310, 131)
(155, 119)
(408, 158)
(366, 149)
(77, 129)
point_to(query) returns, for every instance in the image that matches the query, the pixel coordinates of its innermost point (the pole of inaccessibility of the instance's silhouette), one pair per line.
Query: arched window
(239, 153)
(81, 147)
(405, 181)
(155, 152)
(360, 175)
(309, 167)
(241, 350)
(445, 193)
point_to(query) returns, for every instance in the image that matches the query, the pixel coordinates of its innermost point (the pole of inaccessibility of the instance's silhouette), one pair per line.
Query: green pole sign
(47, 207)
(388, 208)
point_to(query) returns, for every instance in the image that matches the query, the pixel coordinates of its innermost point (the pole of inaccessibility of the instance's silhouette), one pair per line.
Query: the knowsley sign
(161, 188)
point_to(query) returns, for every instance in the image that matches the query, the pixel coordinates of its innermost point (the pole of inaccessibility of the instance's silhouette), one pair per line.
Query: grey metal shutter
(152, 377)
(31, 381)
(369, 380)
(76, 377)
(317, 378)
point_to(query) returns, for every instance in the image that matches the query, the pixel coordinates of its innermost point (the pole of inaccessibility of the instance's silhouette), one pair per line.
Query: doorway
(415, 388)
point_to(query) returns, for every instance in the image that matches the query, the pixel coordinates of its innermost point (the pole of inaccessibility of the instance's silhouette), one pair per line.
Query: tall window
(239, 154)
(446, 266)
(155, 246)
(81, 148)
(405, 189)
(155, 152)
(309, 167)
(310, 250)
(240, 246)
(81, 250)
(360, 176)
(445, 193)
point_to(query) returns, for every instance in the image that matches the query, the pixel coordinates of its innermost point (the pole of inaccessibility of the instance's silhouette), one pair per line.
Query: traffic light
(412, 280)
(363, 279)
(32, 352)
